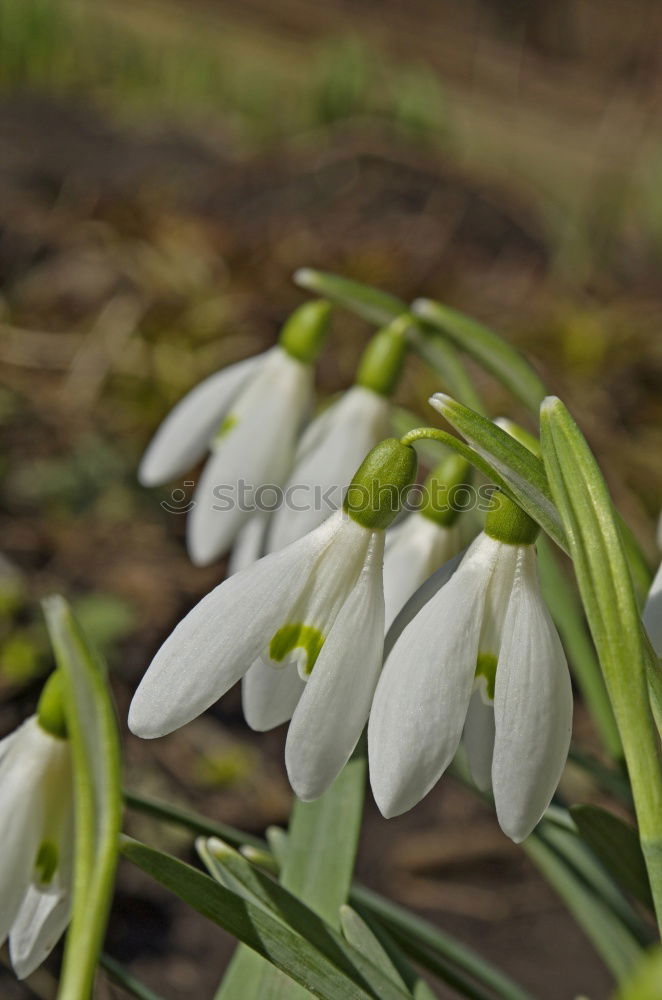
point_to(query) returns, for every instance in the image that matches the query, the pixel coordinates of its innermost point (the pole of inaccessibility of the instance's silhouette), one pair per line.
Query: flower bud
(381, 365)
(50, 710)
(303, 334)
(380, 486)
(509, 524)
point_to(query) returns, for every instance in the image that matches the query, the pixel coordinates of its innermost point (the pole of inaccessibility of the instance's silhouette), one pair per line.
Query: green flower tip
(382, 361)
(293, 636)
(381, 484)
(47, 862)
(509, 523)
(304, 333)
(50, 710)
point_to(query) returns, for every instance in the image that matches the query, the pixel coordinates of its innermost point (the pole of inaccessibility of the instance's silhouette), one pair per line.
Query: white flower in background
(483, 656)
(36, 833)
(337, 441)
(652, 614)
(307, 623)
(248, 416)
(426, 538)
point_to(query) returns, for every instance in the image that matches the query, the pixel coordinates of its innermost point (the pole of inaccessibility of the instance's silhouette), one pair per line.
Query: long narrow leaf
(611, 608)
(492, 351)
(96, 760)
(370, 303)
(523, 473)
(252, 924)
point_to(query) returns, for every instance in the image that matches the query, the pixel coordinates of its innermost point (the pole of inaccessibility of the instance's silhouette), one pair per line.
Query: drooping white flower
(36, 833)
(330, 451)
(336, 442)
(481, 656)
(248, 416)
(313, 615)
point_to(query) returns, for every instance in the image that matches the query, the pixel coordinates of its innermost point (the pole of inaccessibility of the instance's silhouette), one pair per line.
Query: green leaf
(443, 359)
(369, 303)
(610, 938)
(382, 952)
(434, 950)
(95, 748)
(192, 821)
(243, 976)
(610, 604)
(316, 957)
(322, 842)
(490, 350)
(510, 464)
(616, 843)
(566, 609)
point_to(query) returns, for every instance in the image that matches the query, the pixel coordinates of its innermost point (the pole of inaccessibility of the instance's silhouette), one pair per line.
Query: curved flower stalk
(338, 440)
(36, 832)
(480, 660)
(248, 416)
(426, 539)
(307, 623)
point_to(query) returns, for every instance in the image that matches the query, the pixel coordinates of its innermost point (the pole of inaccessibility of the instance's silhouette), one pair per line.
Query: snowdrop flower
(248, 416)
(652, 614)
(483, 656)
(36, 832)
(308, 621)
(337, 441)
(425, 539)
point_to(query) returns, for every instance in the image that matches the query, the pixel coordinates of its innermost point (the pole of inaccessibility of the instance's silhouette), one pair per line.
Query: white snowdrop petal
(532, 707)
(348, 429)
(423, 693)
(215, 644)
(183, 437)
(478, 740)
(414, 550)
(652, 615)
(269, 694)
(39, 925)
(23, 770)
(249, 544)
(419, 599)
(333, 709)
(257, 450)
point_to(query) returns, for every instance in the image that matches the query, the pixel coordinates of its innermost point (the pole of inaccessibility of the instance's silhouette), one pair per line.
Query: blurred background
(164, 168)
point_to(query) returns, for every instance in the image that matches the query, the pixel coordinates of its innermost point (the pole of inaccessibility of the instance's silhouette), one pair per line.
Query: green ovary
(297, 636)
(47, 861)
(486, 666)
(226, 426)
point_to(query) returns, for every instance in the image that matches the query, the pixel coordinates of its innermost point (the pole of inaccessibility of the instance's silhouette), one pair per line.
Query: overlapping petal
(532, 707)
(414, 550)
(183, 437)
(333, 709)
(423, 694)
(269, 694)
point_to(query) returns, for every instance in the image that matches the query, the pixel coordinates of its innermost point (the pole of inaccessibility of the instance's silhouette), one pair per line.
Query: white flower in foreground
(248, 416)
(338, 440)
(36, 833)
(483, 656)
(307, 625)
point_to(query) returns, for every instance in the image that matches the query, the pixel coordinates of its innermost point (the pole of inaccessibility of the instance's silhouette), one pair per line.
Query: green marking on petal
(297, 636)
(486, 666)
(47, 861)
(226, 426)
